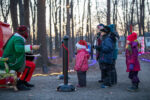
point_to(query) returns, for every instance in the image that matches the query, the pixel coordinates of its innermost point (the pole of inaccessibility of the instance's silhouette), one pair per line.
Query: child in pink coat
(81, 64)
(132, 62)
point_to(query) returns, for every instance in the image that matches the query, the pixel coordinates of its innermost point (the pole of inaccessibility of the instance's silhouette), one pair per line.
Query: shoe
(100, 81)
(132, 89)
(104, 86)
(21, 86)
(28, 84)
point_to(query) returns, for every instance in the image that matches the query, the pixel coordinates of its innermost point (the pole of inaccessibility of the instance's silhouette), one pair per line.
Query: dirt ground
(45, 86)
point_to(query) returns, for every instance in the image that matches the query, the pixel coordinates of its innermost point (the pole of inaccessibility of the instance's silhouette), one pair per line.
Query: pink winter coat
(81, 63)
(133, 57)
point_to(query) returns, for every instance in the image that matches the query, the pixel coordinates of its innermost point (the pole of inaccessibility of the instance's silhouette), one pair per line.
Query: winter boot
(28, 84)
(137, 85)
(133, 88)
(21, 86)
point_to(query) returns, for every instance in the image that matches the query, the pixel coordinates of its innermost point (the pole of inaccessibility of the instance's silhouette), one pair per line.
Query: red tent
(5, 33)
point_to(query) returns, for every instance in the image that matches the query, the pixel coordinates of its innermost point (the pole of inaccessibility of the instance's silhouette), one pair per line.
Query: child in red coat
(81, 64)
(132, 62)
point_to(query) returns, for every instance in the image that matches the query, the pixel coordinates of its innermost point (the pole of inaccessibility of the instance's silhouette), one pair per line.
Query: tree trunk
(13, 11)
(56, 29)
(26, 18)
(73, 42)
(138, 20)
(50, 39)
(108, 12)
(91, 39)
(68, 31)
(5, 6)
(143, 16)
(21, 12)
(60, 49)
(64, 18)
(33, 14)
(115, 3)
(98, 17)
(140, 27)
(132, 12)
(148, 23)
(41, 34)
(83, 19)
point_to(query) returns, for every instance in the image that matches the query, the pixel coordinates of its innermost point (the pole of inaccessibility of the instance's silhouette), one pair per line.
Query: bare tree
(143, 15)
(132, 12)
(83, 19)
(33, 15)
(87, 28)
(68, 18)
(13, 11)
(79, 31)
(72, 12)
(21, 12)
(26, 18)
(5, 6)
(115, 3)
(64, 17)
(50, 33)
(98, 17)
(108, 12)
(60, 52)
(90, 26)
(55, 11)
(138, 17)
(148, 23)
(68, 31)
(41, 34)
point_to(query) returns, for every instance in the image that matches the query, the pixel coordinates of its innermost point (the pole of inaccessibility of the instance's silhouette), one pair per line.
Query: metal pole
(65, 65)
(66, 87)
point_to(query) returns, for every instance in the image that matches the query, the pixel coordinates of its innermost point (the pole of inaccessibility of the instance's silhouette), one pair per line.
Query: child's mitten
(131, 66)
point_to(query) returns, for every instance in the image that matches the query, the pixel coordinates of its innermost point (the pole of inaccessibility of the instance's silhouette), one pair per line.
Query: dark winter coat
(106, 50)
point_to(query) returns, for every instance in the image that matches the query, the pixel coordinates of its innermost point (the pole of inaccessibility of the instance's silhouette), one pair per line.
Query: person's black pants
(81, 78)
(133, 75)
(102, 74)
(106, 71)
(113, 73)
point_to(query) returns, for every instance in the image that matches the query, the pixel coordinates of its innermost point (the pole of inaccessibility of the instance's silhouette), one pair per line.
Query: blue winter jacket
(106, 50)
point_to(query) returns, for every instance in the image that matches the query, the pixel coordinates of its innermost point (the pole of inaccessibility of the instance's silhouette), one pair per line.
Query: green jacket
(15, 50)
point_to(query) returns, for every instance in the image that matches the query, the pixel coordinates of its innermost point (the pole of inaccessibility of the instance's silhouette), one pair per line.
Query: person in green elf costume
(15, 50)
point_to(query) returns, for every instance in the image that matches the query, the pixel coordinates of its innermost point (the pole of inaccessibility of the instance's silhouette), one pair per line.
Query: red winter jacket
(81, 63)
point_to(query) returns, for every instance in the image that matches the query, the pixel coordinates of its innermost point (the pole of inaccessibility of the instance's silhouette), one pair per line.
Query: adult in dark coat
(106, 50)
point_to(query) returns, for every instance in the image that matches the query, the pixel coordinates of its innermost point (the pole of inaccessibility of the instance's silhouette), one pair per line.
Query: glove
(35, 47)
(3, 59)
(131, 67)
